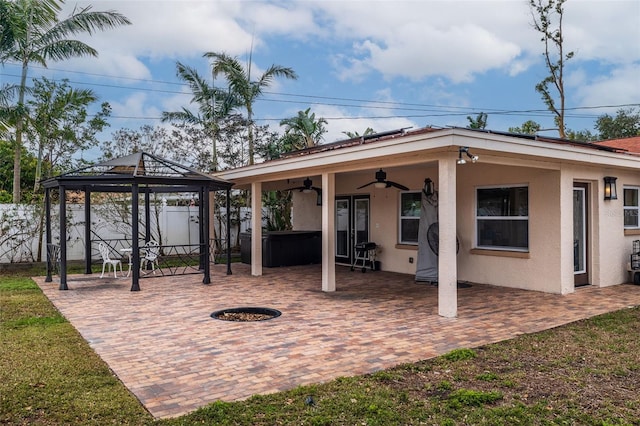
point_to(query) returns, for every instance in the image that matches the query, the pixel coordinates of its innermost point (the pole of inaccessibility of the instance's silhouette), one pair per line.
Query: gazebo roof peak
(140, 167)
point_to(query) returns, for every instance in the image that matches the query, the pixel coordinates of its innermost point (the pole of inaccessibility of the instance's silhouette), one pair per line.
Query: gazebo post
(47, 209)
(228, 205)
(147, 216)
(63, 237)
(87, 231)
(135, 249)
(147, 220)
(201, 239)
(205, 229)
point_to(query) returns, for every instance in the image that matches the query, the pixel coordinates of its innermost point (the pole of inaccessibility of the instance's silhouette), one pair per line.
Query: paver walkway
(165, 347)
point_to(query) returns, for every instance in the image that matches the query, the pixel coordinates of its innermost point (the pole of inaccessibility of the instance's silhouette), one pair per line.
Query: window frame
(512, 218)
(401, 218)
(626, 208)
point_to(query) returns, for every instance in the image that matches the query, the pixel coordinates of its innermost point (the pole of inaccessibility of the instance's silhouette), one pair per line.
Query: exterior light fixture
(465, 150)
(428, 187)
(610, 191)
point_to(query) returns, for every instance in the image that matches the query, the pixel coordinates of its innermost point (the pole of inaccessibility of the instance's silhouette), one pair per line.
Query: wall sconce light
(610, 191)
(465, 150)
(428, 187)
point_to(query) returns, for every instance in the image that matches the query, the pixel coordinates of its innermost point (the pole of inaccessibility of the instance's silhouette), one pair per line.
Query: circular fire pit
(246, 314)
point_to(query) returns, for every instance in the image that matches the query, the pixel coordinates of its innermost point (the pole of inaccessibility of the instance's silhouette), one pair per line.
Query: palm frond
(85, 21)
(66, 49)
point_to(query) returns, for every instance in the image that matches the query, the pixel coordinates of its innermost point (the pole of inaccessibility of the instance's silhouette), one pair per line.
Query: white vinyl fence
(20, 227)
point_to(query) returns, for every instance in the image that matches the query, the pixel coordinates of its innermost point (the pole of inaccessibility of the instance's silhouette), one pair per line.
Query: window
(502, 218)
(631, 207)
(410, 203)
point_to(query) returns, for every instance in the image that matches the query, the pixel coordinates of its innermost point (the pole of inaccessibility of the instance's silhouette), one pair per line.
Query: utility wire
(435, 110)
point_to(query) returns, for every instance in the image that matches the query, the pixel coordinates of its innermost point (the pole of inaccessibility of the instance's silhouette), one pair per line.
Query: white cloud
(434, 42)
(621, 86)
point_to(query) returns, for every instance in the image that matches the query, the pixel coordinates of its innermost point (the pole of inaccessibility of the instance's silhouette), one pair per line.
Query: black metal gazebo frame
(136, 173)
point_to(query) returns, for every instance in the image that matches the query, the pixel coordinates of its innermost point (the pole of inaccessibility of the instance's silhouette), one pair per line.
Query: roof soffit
(408, 149)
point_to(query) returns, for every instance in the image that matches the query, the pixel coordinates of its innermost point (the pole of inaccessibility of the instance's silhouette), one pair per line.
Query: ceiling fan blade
(397, 185)
(370, 183)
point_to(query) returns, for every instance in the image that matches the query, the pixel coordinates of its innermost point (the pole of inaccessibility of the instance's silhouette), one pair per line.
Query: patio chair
(151, 252)
(106, 260)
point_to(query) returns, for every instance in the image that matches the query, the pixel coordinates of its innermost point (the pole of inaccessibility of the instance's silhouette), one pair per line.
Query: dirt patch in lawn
(560, 370)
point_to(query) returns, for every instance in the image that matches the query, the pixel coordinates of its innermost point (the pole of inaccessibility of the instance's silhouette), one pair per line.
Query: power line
(435, 110)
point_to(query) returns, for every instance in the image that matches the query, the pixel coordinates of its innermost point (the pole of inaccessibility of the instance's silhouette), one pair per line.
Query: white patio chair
(106, 260)
(151, 253)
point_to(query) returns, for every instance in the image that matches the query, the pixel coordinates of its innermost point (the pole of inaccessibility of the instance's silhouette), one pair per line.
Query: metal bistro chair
(106, 260)
(151, 253)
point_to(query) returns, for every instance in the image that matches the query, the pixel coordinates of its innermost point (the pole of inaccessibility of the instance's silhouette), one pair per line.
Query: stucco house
(531, 212)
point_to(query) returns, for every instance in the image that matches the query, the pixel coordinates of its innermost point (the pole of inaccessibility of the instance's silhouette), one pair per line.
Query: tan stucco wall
(305, 214)
(549, 264)
(541, 270)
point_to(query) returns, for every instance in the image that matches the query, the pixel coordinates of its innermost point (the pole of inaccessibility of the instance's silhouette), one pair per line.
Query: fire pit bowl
(246, 314)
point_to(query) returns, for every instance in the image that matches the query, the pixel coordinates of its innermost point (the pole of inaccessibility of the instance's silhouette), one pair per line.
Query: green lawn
(586, 373)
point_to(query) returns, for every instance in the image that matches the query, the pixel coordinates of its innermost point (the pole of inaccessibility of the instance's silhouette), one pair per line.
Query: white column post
(447, 262)
(328, 232)
(567, 277)
(256, 228)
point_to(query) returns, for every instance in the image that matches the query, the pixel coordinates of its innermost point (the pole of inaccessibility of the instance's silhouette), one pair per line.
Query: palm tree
(32, 32)
(303, 130)
(352, 135)
(240, 83)
(213, 104)
(6, 111)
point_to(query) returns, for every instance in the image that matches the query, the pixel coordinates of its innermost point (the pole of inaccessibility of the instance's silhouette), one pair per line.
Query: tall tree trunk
(19, 125)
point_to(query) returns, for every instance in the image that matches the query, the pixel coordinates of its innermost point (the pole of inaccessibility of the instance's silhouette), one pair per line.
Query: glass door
(352, 225)
(580, 235)
(343, 228)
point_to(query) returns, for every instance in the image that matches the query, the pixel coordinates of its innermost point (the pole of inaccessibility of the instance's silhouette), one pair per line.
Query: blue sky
(379, 64)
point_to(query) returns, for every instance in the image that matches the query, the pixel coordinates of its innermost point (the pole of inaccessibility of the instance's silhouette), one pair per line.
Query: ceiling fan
(307, 186)
(382, 182)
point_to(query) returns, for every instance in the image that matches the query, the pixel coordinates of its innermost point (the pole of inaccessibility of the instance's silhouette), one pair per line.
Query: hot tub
(285, 248)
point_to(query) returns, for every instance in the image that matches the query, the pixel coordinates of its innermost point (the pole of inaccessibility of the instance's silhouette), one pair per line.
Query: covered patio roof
(136, 173)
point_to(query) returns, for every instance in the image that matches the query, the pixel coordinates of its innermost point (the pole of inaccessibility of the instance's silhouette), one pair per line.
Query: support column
(207, 255)
(135, 243)
(63, 237)
(87, 231)
(228, 215)
(47, 211)
(328, 232)
(201, 239)
(256, 228)
(447, 262)
(567, 277)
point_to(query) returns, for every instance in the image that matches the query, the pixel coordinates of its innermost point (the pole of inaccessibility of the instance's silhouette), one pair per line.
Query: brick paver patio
(165, 347)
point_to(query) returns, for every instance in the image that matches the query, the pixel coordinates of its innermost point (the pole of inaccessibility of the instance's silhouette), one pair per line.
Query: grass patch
(459, 355)
(587, 373)
(472, 398)
(48, 373)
